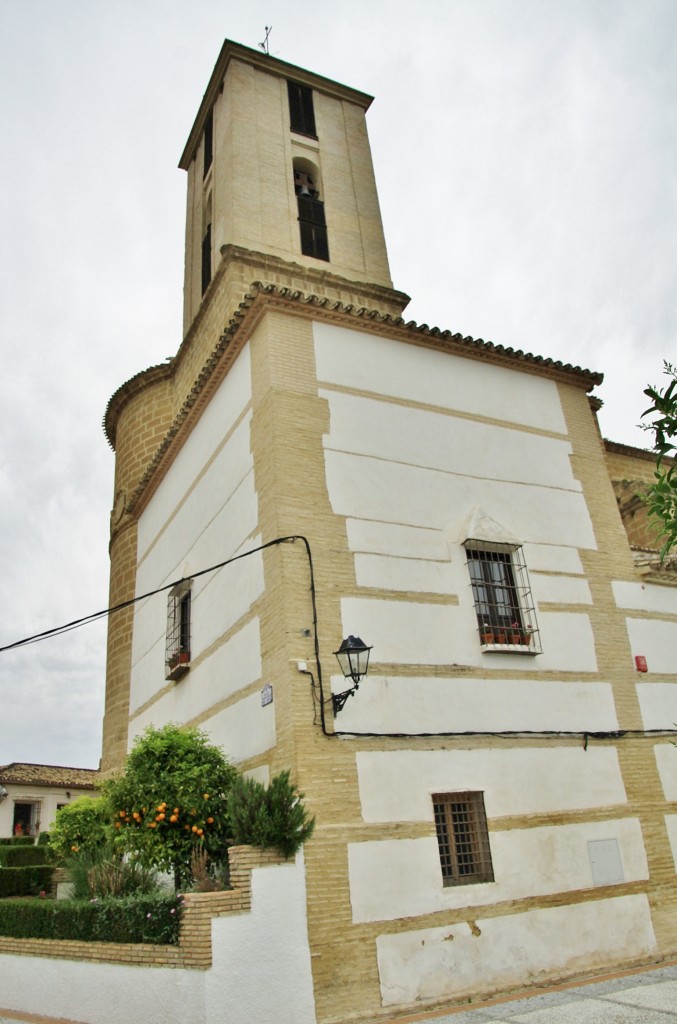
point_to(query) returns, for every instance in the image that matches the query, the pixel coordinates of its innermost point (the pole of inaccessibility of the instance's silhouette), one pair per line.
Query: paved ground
(642, 997)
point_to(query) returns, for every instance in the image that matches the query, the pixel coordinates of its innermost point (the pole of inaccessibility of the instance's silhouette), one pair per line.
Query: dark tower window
(209, 143)
(301, 113)
(312, 223)
(206, 258)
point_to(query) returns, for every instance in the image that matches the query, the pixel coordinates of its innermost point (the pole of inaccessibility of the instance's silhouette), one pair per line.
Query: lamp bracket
(338, 700)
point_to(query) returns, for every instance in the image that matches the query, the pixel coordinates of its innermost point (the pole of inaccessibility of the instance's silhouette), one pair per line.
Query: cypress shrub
(273, 817)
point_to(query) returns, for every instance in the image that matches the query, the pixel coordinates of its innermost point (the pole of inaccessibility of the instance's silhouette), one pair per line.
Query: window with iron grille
(177, 649)
(506, 616)
(462, 838)
(301, 111)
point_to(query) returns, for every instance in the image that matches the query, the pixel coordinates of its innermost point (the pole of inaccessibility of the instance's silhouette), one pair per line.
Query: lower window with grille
(462, 837)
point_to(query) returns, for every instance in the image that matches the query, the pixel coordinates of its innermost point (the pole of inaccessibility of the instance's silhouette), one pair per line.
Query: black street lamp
(353, 657)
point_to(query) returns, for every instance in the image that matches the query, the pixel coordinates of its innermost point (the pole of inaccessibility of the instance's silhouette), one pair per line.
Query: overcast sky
(526, 158)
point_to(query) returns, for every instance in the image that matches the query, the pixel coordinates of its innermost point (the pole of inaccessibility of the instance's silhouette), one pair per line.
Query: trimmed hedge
(147, 919)
(27, 881)
(18, 841)
(21, 856)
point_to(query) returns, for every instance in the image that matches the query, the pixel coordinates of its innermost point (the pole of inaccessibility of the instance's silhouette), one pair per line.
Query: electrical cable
(86, 619)
(584, 734)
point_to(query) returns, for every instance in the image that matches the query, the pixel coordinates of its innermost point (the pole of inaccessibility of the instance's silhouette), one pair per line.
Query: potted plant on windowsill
(515, 634)
(179, 657)
(487, 633)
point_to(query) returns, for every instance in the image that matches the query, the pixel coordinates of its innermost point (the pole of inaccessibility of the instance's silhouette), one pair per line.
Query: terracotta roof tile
(20, 773)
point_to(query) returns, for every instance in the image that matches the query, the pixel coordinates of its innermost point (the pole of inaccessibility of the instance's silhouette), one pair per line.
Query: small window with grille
(177, 650)
(506, 616)
(462, 838)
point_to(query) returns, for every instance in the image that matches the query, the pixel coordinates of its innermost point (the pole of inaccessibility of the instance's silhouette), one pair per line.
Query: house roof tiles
(21, 773)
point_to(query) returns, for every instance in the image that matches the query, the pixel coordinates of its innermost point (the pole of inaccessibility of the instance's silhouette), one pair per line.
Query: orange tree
(171, 800)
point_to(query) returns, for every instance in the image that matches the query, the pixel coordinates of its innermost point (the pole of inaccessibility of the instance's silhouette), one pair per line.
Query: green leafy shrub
(43, 839)
(18, 841)
(172, 798)
(103, 872)
(83, 825)
(662, 494)
(21, 856)
(273, 817)
(28, 881)
(147, 919)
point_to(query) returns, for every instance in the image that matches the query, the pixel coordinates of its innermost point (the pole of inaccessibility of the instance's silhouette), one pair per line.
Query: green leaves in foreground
(662, 495)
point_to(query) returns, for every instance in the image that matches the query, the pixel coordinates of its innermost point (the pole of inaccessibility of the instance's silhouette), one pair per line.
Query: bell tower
(279, 164)
(281, 199)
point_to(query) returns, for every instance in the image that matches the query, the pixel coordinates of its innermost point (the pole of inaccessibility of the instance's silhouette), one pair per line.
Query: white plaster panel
(658, 704)
(671, 826)
(212, 493)
(365, 488)
(553, 558)
(228, 669)
(393, 539)
(666, 762)
(243, 730)
(515, 949)
(421, 437)
(413, 704)
(412, 574)
(418, 374)
(402, 632)
(218, 601)
(397, 785)
(657, 641)
(408, 633)
(218, 418)
(231, 532)
(262, 968)
(221, 598)
(560, 589)
(395, 878)
(645, 597)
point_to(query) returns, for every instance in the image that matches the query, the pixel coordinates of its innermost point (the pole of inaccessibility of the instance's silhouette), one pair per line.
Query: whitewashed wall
(204, 512)
(489, 953)
(398, 878)
(652, 632)
(432, 438)
(260, 972)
